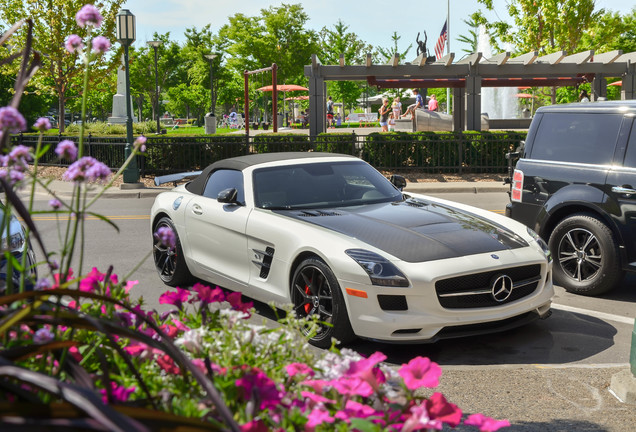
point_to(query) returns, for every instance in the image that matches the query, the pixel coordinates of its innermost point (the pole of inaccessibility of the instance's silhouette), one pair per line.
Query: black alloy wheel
(315, 291)
(586, 256)
(170, 263)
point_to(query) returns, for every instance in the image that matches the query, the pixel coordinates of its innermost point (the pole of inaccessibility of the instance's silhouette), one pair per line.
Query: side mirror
(228, 196)
(398, 181)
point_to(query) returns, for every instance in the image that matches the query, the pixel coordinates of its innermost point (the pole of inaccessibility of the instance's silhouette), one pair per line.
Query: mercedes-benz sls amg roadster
(335, 238)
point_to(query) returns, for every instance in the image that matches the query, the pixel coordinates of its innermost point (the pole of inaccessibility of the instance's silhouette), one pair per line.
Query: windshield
(321, 185)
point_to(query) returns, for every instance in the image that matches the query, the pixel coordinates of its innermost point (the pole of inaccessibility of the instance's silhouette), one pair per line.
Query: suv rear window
(587, 138)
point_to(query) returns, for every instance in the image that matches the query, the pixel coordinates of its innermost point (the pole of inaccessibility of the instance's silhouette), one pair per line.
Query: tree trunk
(60, 112)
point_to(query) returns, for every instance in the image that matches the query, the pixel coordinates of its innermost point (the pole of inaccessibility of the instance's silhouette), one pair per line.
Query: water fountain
(496, 102)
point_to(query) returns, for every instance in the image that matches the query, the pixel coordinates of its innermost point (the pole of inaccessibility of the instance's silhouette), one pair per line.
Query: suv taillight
(517, 186)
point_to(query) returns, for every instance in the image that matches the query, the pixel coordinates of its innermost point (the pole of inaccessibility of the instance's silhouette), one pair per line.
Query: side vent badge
(177, 203)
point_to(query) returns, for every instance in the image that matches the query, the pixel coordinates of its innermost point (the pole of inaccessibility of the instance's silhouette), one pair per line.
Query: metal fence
(426, 152)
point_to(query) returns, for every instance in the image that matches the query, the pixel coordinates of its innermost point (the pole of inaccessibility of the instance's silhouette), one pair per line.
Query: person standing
(330, 112)
(432, 103)
(384, 115)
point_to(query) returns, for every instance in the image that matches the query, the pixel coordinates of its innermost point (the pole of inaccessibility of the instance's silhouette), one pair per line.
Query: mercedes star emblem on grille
(501, 288)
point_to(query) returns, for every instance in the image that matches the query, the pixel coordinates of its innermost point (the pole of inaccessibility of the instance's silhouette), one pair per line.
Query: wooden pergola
(467, 76)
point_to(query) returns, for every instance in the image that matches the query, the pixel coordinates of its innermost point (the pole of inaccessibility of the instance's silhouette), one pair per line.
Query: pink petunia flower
(420, 419)
(485, 424)
(317, 417)
(235, 301)
(175, 298)
(420, 372)
(208, 295)
(89, 15)
(352, 387)
(258, 383)
(366, 369)
(440, 409)
(254, 426)
(355, 409)
(74, 44)
(317, 385)
(118, 393)
(294, 369)
(166, 363)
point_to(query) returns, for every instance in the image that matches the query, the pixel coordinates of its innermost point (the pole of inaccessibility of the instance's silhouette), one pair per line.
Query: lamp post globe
(125, 28)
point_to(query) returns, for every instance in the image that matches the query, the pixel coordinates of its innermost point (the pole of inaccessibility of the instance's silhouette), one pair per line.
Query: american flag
(441, 41)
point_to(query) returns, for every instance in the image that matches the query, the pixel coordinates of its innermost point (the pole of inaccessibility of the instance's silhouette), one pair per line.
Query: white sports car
(331, 235)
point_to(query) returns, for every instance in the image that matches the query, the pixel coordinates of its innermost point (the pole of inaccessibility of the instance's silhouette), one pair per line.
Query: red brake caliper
(307, 305)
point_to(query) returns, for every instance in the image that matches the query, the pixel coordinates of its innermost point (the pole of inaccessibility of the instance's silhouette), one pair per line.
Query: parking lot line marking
(595, 314)
(64, 217)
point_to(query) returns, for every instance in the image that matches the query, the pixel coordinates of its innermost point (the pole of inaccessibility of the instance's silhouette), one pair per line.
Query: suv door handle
(623, 190)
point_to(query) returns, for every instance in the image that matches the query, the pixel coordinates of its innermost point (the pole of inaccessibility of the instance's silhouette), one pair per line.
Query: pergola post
(459, 109)
(317, 99)
(473, 101)
(599, 87)
(628, 89)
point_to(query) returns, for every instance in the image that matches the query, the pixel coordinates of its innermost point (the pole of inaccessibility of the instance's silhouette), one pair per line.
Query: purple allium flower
(12, 120)
(43, 284)
(89, 15)
(87, 169)
(66, 150)
(140, 143)
(100, 44)
(42, 124)
(166, 236)
(42, 336)
(55, 204)
(19, 156)
(15, 176)
(74, 44)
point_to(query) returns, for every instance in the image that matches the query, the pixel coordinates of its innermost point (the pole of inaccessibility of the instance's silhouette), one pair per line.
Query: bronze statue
(421, 48)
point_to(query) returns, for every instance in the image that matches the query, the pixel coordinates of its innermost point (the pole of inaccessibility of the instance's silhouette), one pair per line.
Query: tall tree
(170, 70)
(334, 42)
(53, 23)
(548, 26)
(384, 54)
(279, 35)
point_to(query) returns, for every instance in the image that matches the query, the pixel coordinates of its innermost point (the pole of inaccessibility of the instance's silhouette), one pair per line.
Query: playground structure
(467, 76)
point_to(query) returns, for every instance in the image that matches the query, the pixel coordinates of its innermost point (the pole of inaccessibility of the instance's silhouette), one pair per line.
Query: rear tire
(170, 264)
(586, 256)
(315, 291)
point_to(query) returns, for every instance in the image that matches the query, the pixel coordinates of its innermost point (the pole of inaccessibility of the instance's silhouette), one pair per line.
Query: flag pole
(448, 39)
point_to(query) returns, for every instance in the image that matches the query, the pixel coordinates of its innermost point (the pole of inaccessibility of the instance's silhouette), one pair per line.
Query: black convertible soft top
(240, 163)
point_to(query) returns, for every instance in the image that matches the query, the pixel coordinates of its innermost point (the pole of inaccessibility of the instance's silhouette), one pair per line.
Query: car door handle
(197, 210)
(623, 190)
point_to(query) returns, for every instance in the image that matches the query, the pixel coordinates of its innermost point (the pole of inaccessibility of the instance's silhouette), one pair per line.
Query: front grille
(475, 290)
(392, 302)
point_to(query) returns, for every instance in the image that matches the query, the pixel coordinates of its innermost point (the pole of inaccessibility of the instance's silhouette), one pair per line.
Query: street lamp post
(155, 45)
(126, 36)
(211, 57)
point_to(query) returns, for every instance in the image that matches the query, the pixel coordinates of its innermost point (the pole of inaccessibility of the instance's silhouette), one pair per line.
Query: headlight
(15, 241)
(381, 271)
(543, 245)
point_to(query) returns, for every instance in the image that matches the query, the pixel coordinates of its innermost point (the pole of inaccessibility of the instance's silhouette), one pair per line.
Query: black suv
(575, 185)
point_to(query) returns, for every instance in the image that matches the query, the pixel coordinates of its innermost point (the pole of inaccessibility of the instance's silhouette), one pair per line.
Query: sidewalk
(65, 189)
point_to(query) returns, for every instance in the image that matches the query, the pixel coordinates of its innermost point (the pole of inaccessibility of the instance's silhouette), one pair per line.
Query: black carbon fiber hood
(414, 230)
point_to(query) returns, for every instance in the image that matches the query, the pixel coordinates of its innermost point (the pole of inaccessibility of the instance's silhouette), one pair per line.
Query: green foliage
(279, 35)
(280, 142)
(438, 152)
(385, 54)
(344, 143)
(190, 153)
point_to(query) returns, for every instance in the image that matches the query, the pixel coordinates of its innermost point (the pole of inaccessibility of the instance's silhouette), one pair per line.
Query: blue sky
(374, 21)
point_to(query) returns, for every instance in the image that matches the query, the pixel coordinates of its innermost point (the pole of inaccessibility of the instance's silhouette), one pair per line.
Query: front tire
(315, 291)
(170, 263)
(586, 257)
